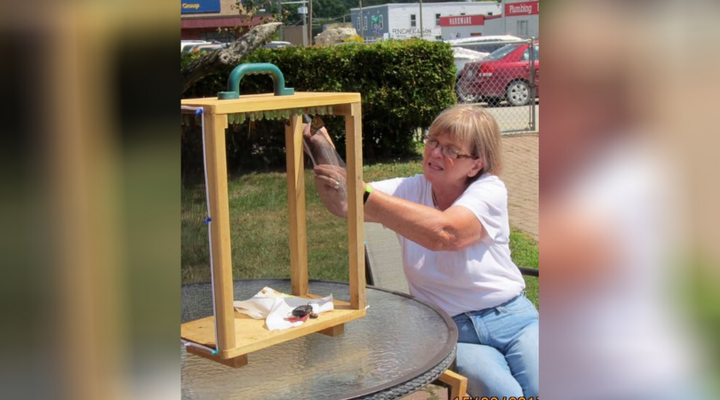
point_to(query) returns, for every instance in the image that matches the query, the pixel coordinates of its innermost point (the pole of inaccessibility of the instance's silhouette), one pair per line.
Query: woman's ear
(477, 166)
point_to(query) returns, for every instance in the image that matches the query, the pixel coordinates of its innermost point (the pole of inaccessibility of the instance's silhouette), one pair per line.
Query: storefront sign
(526, 8)
(463, 20)
(376, 23)
(409, 32)
(199, 6)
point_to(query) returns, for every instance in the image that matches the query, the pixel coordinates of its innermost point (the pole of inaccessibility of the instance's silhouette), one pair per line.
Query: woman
(452, 222)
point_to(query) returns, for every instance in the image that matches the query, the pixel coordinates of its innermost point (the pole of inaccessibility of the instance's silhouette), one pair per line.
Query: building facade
(522, 18)
(201, 19)
(470, 25)
(402, 21)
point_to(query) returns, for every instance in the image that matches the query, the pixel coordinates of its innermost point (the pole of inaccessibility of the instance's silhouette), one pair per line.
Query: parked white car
(186, 44)
(476, 48)
(463, 56)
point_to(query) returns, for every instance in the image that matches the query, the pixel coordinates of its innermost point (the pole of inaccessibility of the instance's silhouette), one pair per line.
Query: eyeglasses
(447, 151)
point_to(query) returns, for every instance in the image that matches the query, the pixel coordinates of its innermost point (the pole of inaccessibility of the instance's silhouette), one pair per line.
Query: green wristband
(366, 196)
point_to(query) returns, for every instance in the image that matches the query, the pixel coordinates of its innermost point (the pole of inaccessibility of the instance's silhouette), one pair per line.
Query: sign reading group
(199, 6)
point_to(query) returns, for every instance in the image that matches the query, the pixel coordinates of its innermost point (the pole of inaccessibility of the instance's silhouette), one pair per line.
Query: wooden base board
(252, 334)
(236, 362)
(337, 330)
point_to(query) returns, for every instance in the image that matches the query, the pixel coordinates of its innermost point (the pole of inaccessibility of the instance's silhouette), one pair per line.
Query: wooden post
(296, 206)
(457, 383)
(238, 336)
(220, 230)
(356, 214)
(83, 168)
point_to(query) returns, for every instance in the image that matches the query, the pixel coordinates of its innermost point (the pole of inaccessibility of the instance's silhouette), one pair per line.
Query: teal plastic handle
(241, 70)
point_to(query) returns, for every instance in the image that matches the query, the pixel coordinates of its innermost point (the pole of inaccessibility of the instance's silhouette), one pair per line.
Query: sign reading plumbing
(526, 8)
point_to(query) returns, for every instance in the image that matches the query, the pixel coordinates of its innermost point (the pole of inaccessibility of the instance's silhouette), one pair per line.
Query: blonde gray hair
(477, 129)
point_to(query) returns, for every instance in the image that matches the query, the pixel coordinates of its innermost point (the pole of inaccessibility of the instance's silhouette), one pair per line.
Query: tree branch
(222, 58)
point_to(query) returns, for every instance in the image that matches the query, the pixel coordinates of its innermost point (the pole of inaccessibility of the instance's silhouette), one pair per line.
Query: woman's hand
(330, 174)
(322, 131)
(331, 184)
(320, 147)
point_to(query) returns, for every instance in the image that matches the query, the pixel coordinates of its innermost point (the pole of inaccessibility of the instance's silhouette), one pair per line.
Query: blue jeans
(498, 349)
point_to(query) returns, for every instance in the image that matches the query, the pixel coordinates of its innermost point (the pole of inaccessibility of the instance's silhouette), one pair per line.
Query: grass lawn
(259, 229)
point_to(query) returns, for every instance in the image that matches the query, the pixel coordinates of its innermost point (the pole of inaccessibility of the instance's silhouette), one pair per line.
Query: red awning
(222, 22)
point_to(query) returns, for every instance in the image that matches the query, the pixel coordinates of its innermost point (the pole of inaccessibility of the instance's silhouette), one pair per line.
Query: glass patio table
(401, 345)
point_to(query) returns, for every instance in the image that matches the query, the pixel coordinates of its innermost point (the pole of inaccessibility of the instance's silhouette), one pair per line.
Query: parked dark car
(276, 44)
(504, 74)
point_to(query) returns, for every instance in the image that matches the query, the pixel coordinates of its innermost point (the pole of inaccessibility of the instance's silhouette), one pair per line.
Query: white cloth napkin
(274, 307)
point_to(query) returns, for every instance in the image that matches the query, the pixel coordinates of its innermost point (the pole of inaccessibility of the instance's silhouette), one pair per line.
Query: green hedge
(404, 85)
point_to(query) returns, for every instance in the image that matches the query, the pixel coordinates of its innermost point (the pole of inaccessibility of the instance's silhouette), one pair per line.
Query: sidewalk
(521, 177)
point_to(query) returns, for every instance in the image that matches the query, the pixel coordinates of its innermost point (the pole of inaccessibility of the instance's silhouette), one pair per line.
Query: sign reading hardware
(526, 8)
(199, 6)
(463, 20)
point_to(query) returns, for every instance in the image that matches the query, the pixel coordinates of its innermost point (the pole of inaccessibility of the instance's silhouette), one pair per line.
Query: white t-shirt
(479, 276)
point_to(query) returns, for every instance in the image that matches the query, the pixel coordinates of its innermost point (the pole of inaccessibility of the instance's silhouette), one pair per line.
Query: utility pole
(421, 26)
(362, 25)
(301, 10)
(310, 27)
(305, 42)
(504, 18)
(280, 18)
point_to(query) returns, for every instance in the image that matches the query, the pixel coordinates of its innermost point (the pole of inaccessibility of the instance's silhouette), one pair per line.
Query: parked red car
(504, 74)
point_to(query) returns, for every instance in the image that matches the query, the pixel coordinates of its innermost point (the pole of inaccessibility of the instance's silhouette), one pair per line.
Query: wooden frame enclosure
(236, 334)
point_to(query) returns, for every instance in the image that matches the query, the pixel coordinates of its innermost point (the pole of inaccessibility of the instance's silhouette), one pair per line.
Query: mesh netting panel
(195, 302)
(195, 246)
(258, 204)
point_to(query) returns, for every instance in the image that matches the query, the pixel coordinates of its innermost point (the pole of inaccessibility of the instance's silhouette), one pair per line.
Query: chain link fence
(503, 77)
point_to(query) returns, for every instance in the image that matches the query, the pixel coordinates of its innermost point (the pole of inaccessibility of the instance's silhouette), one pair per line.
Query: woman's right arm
(449, 230)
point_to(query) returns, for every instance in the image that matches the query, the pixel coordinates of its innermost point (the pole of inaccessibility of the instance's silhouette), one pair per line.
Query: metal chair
(383, 260)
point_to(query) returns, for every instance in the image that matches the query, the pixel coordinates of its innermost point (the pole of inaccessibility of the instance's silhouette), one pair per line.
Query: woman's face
(440, 169)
